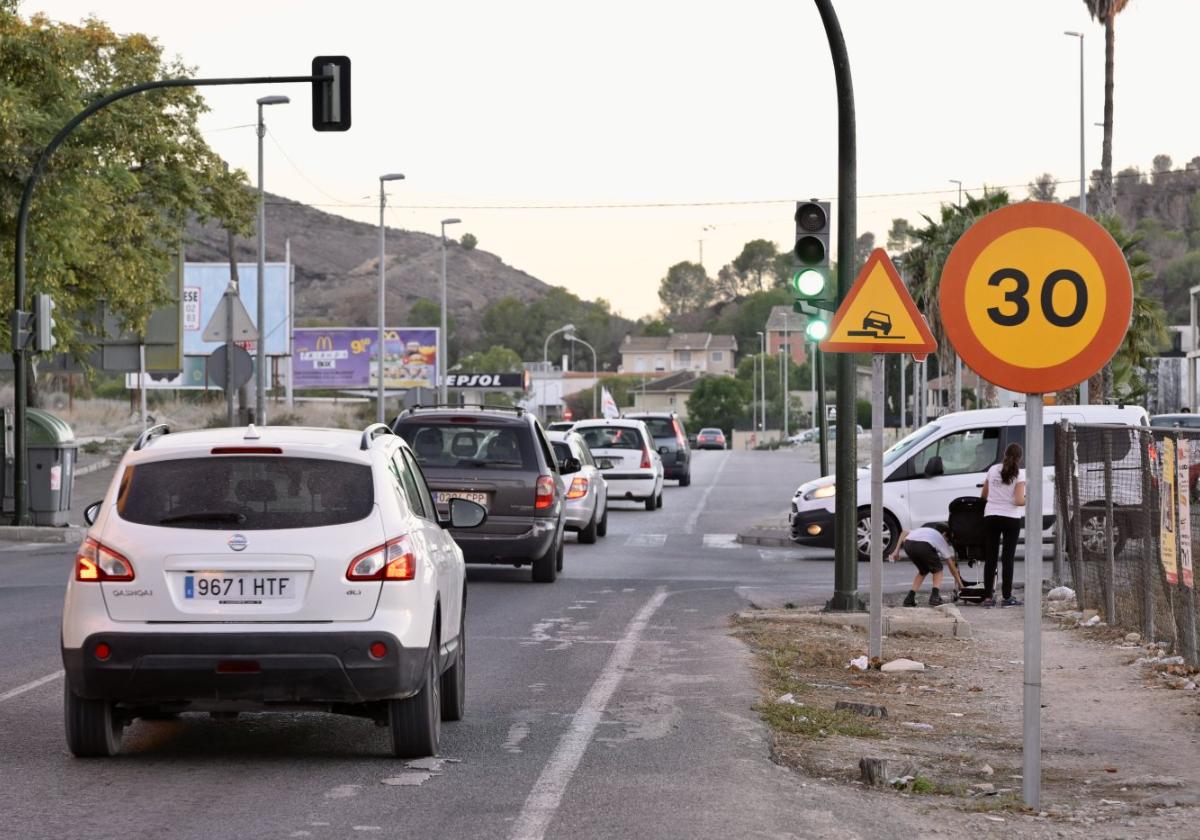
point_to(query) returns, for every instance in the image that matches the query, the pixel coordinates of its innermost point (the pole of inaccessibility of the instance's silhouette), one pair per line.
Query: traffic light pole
(822, 414)
(845, 577)
(20, 352)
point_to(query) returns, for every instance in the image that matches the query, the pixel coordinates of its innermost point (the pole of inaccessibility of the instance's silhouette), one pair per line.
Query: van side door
(949, 467)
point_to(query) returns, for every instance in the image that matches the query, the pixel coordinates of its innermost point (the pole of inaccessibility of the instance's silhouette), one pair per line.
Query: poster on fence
(1166, 534)
(1184, 458)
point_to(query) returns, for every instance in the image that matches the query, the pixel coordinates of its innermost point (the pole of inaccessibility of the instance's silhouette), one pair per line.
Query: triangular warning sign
(218, 324)
(878, 315)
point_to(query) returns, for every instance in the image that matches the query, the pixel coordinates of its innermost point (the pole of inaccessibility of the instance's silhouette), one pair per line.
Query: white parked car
(232, 569)
(585, 492)
(936, 464)
(634, 467)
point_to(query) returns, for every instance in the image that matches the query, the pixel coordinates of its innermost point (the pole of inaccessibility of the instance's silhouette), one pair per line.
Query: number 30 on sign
(1036, 297)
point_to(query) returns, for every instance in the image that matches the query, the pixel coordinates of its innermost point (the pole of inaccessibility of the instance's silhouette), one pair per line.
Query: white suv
(234, 569)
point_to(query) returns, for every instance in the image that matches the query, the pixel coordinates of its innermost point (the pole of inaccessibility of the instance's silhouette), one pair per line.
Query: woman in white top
(1004, 490)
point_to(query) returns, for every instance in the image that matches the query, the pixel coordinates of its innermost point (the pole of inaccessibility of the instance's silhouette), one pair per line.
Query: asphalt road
(612, 703)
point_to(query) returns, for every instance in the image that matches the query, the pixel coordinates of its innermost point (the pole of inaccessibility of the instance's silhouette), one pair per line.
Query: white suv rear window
(245, 492)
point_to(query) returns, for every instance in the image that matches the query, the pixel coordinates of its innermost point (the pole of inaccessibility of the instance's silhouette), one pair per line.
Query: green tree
(495, 359)
(109, 214)
(1043, 187)
(686, 288)
(1174, 285)
(756, 260)
(655, 327)
(621, 388)
(863, 246)
(718, 401)
(1106, 11)
(899, 236)
(1147, 333)
(469, 241)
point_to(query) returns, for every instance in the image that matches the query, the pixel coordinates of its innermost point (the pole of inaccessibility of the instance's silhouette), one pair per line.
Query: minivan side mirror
(664, 450)
(934, 468)
(466, 514)
(91, 512)
(569, 465)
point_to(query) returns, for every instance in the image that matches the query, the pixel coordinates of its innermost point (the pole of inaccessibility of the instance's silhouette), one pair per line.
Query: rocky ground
(1120, 724)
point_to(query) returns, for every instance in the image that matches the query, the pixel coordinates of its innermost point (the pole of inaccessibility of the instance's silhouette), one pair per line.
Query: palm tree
(1106, 11)
(1147, 333)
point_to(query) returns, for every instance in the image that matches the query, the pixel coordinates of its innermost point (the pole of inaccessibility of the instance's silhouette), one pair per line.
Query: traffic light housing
(43, 323)
(811, 281)
(331, 98)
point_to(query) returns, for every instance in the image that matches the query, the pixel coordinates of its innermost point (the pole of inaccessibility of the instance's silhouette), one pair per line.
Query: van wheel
(658, 502)
(93, 726)
(652, 503)
(558, 557)
(454, 680)
(545, 568)
(602, 528)
(415, 722)
(862, 534)
(588, 535)
(686, 479)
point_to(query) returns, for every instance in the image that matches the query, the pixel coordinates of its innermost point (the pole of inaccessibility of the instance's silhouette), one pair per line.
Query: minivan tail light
(579, 488)
(543, 493)
(645, 459)
(96, 563)
(394, 560)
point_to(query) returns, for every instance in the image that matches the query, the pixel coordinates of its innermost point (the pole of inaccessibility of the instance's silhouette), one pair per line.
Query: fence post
(1183, 533)
(1060, 495)
(1078, 552)
(1110, 530)
(1149, 551)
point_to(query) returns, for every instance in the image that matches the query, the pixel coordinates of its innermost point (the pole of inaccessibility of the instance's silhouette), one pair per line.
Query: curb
(41, 534)
(776, 539)
(948, 621)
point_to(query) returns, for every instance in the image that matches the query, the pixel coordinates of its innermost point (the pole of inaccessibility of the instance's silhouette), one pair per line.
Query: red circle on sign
(1117, 295)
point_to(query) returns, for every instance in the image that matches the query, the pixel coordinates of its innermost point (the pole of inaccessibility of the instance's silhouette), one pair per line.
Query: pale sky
(669, 101)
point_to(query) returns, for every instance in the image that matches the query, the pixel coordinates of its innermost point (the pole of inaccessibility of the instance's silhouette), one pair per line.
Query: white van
(942, 460)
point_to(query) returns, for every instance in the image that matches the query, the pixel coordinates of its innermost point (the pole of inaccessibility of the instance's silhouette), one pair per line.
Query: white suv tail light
(394, 560)
(94, 563)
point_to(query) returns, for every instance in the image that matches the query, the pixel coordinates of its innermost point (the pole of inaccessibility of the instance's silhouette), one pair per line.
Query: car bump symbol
(237, 542)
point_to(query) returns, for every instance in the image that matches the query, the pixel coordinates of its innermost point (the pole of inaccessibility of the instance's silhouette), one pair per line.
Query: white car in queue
(624, 450)
(259, 569)
(585, 492)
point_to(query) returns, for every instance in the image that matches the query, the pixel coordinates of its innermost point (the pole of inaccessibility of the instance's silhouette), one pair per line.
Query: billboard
(346, 357)
(203, 285)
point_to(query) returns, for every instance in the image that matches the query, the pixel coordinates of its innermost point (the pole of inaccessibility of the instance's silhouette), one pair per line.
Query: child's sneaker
(935, 599)
(1011, 602)
(910, 600)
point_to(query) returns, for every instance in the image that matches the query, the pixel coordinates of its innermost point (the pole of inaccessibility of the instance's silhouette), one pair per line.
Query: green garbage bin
(52, 450)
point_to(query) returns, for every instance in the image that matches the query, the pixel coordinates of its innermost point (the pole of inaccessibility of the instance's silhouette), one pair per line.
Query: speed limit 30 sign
(1036, 297)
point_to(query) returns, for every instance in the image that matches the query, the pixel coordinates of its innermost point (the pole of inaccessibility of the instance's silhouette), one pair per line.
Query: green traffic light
(808, 282)
(816, 330)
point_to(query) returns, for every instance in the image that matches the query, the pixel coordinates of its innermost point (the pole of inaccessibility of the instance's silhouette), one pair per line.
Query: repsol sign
(506, 381)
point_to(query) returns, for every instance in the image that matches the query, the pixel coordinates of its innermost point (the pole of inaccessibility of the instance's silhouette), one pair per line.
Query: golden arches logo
(324, 342)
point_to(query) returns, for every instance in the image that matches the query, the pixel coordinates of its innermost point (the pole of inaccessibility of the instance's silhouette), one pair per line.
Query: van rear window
(458, 445)
(245, 493)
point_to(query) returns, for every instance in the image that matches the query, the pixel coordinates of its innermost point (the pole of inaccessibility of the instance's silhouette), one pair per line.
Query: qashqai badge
(237, 542)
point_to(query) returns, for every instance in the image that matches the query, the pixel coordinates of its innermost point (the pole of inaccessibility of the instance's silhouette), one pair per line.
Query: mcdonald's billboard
(347, 357)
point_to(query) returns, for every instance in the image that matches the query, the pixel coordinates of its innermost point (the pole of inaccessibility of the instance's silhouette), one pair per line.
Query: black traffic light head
(331, 95)
(812, 282)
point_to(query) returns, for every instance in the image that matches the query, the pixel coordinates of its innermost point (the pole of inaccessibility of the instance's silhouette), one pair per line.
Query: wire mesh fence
(1129, 503)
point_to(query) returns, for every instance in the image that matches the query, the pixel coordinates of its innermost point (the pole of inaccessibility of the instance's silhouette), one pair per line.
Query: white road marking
(721, 541)
(547, 793)
(694, 517)
(407, 780)
(29, 686)
(646, 540)
(342, 792)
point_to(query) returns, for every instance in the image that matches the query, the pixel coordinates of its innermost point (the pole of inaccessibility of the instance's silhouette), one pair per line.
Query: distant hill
(337, 268)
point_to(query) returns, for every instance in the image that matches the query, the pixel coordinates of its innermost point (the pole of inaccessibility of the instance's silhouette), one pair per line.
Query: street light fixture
(1083, 386)
(260, 402)
(595, 371)
(565, 328)
(443, 360)
(381, 395)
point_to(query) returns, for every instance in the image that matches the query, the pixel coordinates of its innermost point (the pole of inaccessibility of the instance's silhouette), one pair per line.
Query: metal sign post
(875, 642)
(1031, 779)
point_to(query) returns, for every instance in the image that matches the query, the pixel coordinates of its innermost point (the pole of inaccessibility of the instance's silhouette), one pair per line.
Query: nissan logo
(237, 542)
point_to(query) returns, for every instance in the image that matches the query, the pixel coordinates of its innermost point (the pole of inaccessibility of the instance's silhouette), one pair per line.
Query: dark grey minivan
(499, 458)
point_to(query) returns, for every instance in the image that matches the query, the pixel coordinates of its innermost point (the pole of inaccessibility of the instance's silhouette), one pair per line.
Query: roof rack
(145, 437)
(373, 431)
(516, 409)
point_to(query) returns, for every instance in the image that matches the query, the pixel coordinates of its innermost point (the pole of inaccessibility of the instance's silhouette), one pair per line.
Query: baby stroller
(967, 538)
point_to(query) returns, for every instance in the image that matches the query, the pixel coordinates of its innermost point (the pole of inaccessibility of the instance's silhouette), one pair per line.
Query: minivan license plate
(443, 497)
(232, 589)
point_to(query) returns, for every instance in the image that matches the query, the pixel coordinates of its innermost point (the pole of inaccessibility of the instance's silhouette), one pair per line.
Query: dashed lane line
(546, 796)
(29, 686)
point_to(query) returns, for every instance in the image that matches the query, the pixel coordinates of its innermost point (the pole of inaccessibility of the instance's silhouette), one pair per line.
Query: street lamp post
(1083, 386)
(595, 370)
(957, 402)
(762, 360)
(704, 230)
(565, 328)
(260, 402)
(381, 398)
(443, 360)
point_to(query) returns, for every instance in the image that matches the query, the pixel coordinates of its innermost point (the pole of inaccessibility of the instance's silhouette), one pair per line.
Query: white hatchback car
(624, 450)
(242, 569)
